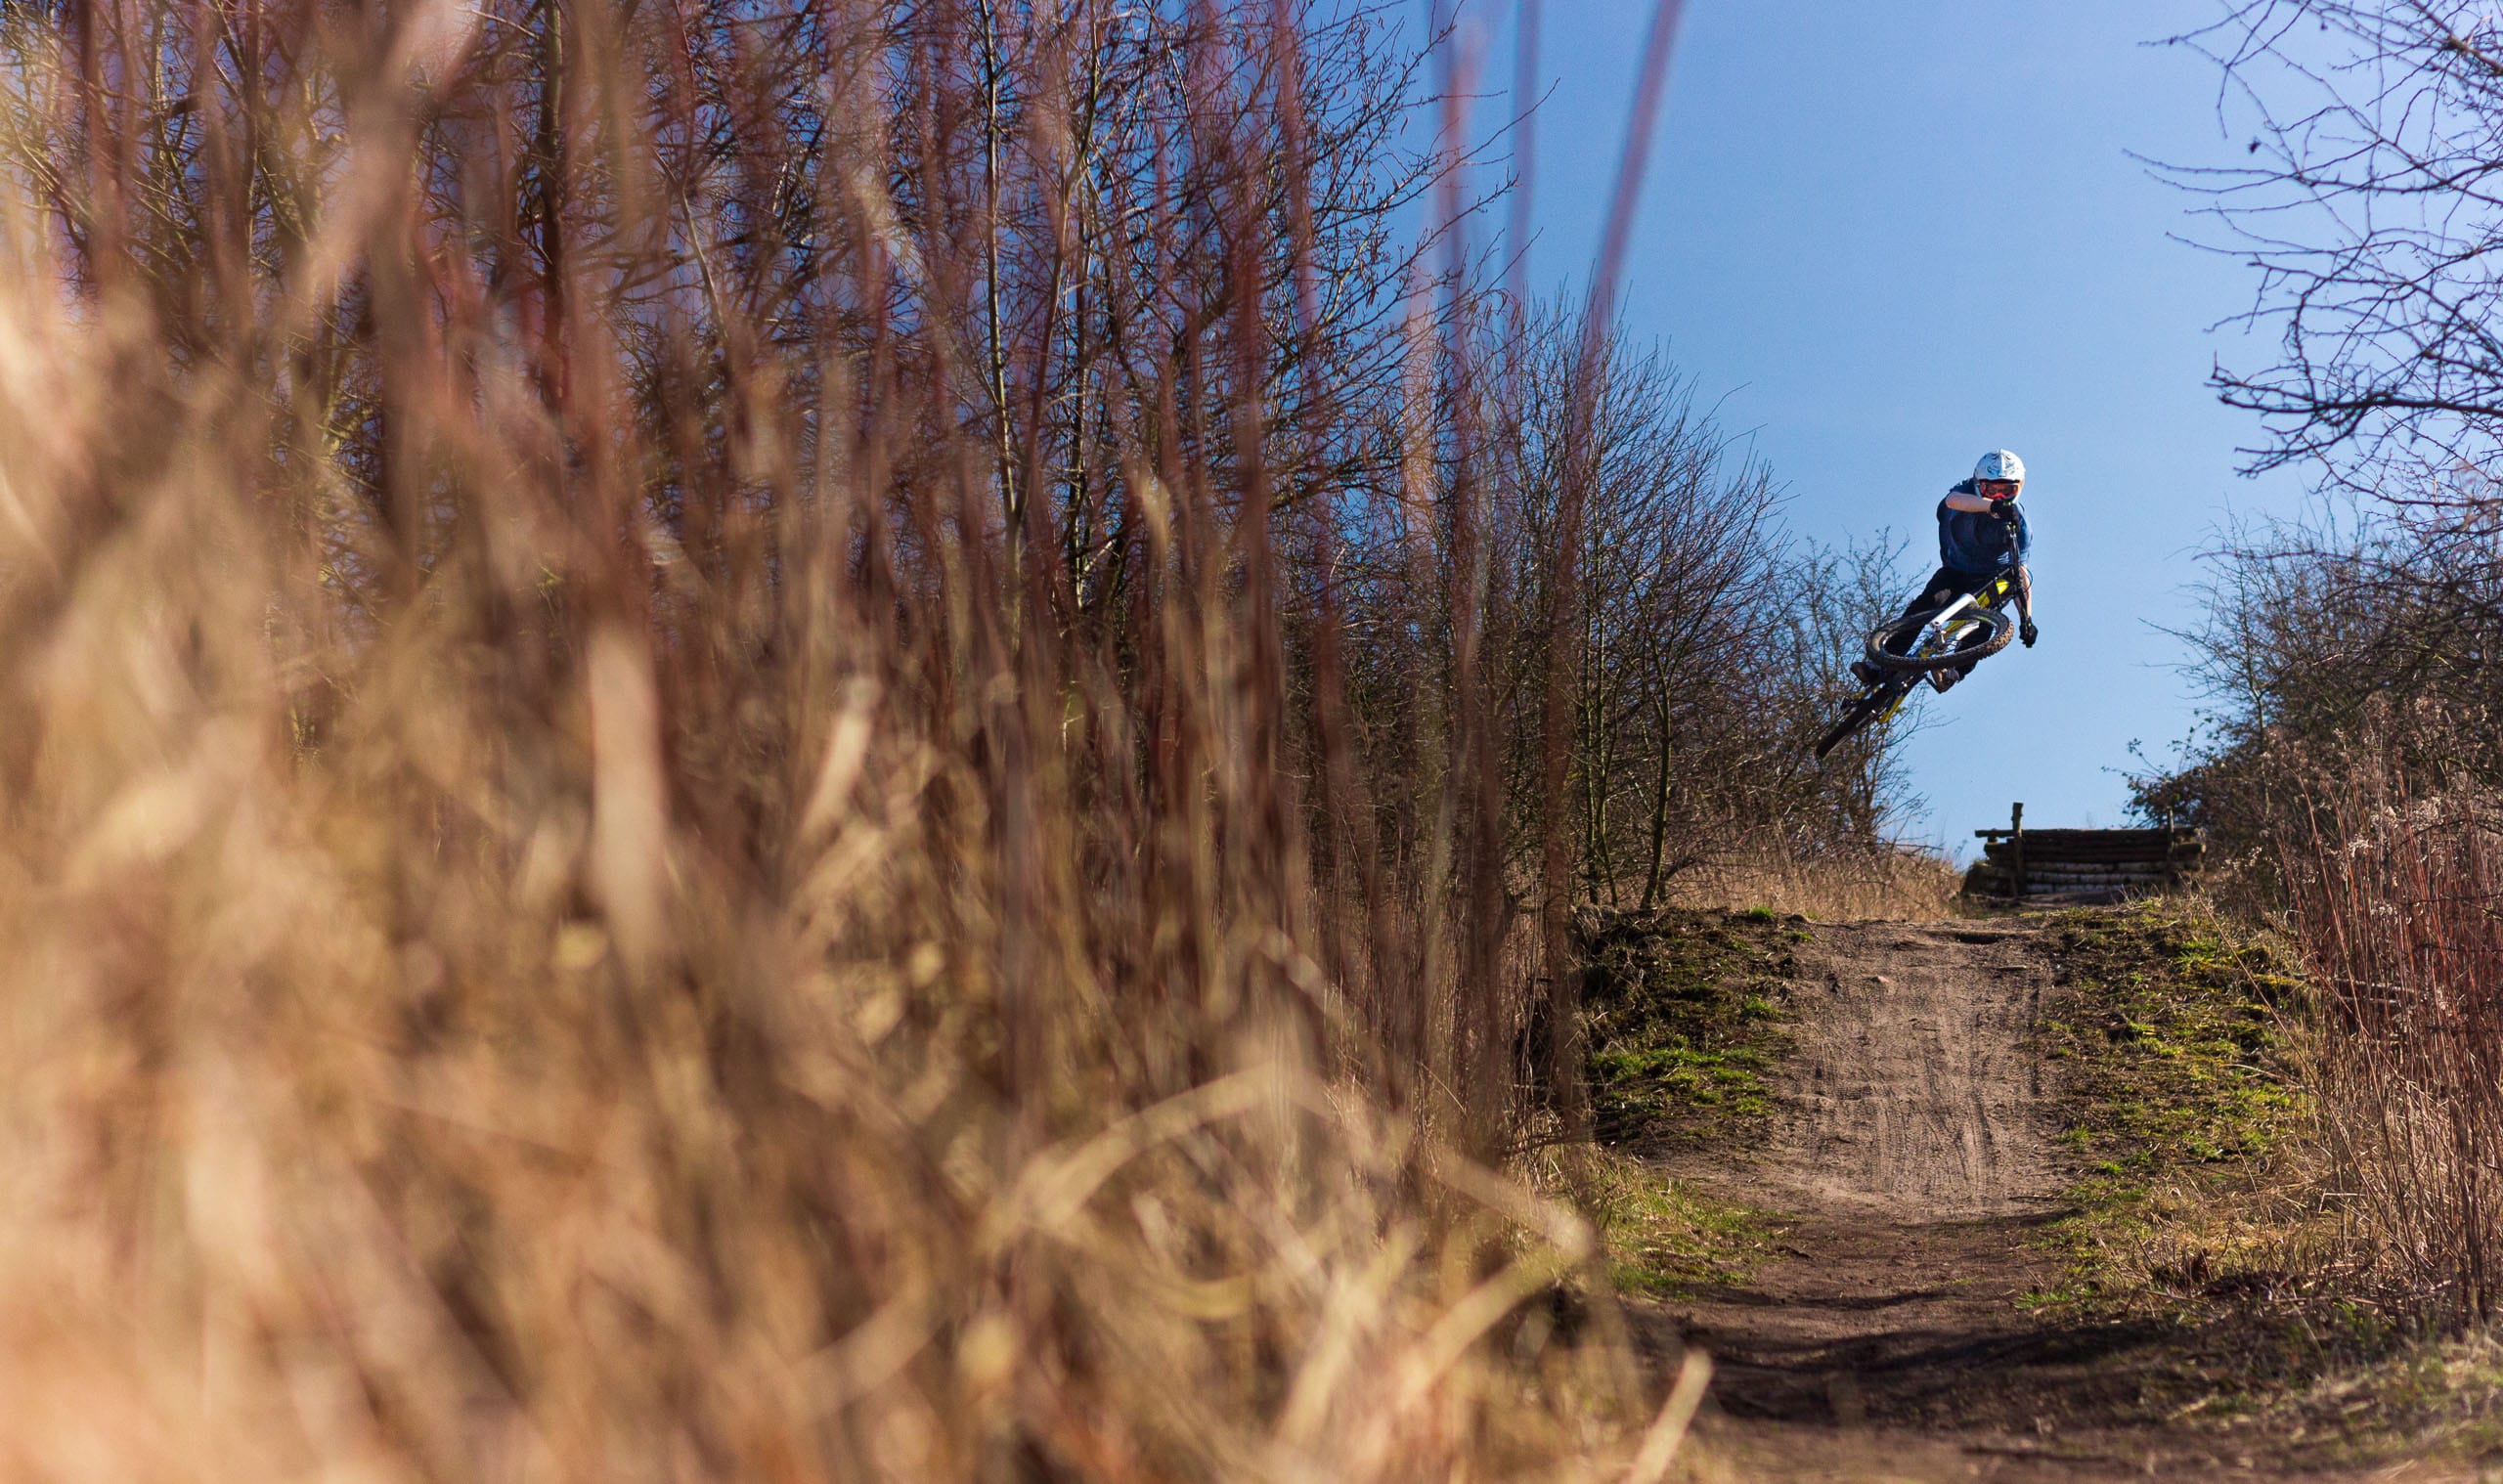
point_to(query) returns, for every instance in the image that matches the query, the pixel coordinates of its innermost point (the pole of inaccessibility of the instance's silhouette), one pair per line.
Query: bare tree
(1708, 641)
(2372, 207)
(2348, 629)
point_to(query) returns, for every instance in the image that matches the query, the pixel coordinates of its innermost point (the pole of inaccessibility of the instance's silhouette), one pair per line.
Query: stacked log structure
(2083, 865)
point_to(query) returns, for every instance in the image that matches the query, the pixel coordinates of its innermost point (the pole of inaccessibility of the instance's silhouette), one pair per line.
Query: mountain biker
(1981, 533)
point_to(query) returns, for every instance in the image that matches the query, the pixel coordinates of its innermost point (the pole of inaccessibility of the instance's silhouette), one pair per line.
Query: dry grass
(1909, 886)
(2395, 902)
(573, 908)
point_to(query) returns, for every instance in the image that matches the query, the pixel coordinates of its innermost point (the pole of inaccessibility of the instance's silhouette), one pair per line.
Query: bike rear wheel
(2001, 626)
(1855, 717)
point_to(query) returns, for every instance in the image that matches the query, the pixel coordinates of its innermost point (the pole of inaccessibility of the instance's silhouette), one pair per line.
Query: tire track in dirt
(1912, 1092)
(1911, 1156)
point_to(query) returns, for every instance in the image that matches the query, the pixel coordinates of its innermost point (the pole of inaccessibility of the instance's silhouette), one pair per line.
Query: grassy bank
(1686, 1017)
(2176, 1033)
(2205, 1202)
(1668, 1239)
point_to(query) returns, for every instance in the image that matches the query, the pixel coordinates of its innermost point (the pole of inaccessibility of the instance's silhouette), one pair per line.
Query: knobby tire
(2003, 628)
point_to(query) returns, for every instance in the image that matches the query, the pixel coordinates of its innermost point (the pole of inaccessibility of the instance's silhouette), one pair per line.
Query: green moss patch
(1667, 1239)
(2202, 1203)
(2175, 1032)
(1684, 1022)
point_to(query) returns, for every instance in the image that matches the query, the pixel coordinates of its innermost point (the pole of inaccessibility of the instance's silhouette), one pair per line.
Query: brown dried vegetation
(792, 740)
(2352, 768)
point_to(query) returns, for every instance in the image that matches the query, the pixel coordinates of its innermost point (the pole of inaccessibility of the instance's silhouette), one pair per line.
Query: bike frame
(1939, 635)
(1880, 702)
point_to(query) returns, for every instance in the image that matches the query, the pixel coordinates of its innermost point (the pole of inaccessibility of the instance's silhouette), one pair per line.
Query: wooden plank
(2049, 841)
(2033, 857)
(2041, 848)
(2033, 873)
(2040, 872)
(2036, 853)
(2036, 863)
(2073, 867)
(1998, 883)
(2122, 832)
(2060, 840)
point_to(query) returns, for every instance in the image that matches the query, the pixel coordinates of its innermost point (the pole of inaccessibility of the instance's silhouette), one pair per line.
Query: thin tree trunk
(997, 369)
(1599, 759)
(1659, 810)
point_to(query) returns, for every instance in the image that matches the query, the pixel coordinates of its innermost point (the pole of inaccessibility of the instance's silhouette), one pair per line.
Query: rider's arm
(2024, 594)
(1970, 504)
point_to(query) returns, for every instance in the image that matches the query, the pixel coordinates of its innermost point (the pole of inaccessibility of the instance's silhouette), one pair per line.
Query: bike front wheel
(2002, 629)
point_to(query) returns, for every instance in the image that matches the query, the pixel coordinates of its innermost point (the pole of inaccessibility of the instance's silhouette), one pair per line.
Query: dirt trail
(1913, 1093)
(1911, 1149)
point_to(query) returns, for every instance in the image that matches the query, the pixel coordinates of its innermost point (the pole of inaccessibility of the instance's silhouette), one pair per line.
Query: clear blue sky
(1896, 235)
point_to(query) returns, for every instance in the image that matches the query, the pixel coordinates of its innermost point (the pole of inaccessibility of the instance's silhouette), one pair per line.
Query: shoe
(1866, 673)
(1944, 681)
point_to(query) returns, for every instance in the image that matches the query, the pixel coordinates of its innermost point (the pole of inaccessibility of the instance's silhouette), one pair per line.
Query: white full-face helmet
(1999, 463)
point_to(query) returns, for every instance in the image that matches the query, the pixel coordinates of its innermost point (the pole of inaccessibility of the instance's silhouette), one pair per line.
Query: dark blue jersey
(1971, 540)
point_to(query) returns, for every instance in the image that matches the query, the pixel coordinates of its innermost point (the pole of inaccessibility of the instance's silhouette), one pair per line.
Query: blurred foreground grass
(587, 893)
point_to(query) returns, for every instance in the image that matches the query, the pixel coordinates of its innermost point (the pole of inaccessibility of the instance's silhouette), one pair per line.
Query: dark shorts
(1944, 586)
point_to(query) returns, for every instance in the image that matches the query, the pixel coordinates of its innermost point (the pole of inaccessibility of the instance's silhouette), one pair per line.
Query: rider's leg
(1944, 587)
(1940, 589)
(1973, 640)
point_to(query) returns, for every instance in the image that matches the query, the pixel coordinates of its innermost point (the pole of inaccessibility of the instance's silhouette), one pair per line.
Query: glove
(2026, 630)
(2005, 513)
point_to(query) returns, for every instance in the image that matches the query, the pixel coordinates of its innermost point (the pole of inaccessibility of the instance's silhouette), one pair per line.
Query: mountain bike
(1969, 629)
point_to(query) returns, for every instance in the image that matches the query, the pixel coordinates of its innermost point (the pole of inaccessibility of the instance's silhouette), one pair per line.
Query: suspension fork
(1935, 630)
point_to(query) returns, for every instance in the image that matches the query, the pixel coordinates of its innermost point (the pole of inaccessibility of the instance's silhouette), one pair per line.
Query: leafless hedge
(2352, 760)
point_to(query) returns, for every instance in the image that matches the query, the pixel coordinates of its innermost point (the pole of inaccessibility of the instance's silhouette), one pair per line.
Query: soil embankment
(1910, 1158)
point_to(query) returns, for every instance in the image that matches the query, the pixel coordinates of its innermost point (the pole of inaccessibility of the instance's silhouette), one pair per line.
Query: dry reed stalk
(2398, 900)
